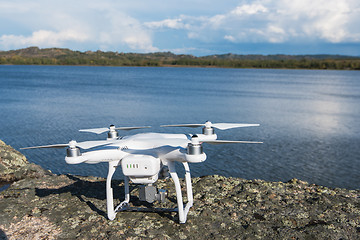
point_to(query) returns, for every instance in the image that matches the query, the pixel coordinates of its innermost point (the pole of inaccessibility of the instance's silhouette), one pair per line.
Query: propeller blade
(95, 130)
(83, 145)
(227, 141)
(131, 128)
(221, 126)
(92, 144)
(48, 146)
(102, 130)
(184, 125)
(224, 126)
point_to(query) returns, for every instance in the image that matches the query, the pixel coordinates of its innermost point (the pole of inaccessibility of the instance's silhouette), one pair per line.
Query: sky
(197, 27)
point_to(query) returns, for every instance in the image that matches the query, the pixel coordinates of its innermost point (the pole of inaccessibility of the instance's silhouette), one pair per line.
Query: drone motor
(112, 134)
(73, 150)
(208, 130)
(194, 147)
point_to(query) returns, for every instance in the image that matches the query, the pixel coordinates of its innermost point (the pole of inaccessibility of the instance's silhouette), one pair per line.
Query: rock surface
(14, 166)
(72, 207)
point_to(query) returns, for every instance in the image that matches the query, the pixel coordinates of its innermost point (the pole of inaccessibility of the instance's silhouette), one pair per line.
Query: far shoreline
(67, 57)
(181, 66)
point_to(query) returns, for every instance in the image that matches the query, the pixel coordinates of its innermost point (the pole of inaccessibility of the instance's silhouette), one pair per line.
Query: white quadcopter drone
(143, 157)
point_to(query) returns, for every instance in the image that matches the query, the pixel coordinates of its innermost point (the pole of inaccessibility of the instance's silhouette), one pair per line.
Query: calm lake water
(309, 119)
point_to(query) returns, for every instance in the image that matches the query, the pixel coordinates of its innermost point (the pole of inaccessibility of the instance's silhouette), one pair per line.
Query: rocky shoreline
(42, 205)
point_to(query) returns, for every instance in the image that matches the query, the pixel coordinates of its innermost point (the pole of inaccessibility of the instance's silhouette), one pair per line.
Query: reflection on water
(327, 119)
(309, 119)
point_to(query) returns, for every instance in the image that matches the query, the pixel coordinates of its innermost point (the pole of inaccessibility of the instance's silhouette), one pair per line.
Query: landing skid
(124, 206)
(153, 210)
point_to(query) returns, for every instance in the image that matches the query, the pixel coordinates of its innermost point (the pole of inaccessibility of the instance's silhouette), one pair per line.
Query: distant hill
(35, 52)
(280, 57)
(63, 56)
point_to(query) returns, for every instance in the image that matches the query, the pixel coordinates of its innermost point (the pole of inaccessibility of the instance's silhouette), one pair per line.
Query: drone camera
(151, 194)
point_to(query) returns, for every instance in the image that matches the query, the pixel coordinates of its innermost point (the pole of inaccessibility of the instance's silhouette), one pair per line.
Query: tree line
(56, 56)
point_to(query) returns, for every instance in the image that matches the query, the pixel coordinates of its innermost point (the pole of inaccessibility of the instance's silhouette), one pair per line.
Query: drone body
(142, 158)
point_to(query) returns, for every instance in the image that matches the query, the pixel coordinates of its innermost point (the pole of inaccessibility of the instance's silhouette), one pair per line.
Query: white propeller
(196, 140)
(227, 141)
(111, 128)
(208, 124)
(83, 145)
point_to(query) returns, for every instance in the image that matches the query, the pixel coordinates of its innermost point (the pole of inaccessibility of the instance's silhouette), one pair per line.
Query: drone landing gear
(181, 210)
(124, 205)
(109, 191)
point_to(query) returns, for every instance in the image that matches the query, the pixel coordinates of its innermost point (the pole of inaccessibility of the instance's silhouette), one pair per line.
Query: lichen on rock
(74, 207)
(10, 159)
(14, 166)
(30, 227)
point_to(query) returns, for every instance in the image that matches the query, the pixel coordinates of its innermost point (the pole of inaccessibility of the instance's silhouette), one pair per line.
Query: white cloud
(181, 50)
(275, 21)
(121, 29)
(118, 25)
(275, 34)
(229, 38)
(328, 20)
(167, 23)
(67, 23)
(249, 9)
(42, 38)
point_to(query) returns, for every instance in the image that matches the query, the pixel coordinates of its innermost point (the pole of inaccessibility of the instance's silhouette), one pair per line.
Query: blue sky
(198, 27)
